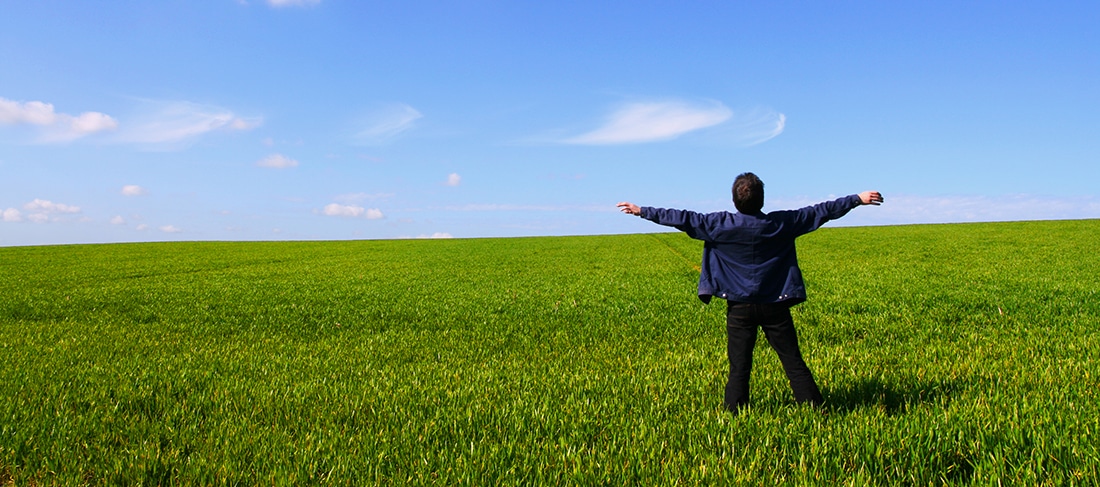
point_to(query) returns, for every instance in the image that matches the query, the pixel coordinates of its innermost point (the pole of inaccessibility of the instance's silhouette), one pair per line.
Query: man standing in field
(749, 260)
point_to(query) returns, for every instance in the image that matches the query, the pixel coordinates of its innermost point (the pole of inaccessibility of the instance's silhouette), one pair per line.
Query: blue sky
(330, 119)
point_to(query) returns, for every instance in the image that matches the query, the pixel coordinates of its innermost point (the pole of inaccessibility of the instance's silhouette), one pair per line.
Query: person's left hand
(870, 198)
(629, 208)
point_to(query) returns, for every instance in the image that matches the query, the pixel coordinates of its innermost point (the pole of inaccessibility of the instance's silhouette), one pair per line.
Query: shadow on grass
(864, 393)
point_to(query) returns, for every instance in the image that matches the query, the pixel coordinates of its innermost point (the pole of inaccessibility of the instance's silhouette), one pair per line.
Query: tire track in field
(690, 262)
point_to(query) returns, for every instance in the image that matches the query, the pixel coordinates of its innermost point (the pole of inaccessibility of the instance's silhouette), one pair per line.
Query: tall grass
(947, 354)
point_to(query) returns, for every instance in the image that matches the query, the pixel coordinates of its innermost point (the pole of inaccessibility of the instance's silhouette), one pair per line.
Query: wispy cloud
(387, 122)
(749, 127)
(513, 207)
(277, 161)
(52, 126)
(639, 122)
(168, 124)
(911, 209)
(170, 229)
(453, 179)
(708, 121)
(917, 209)
(352, 211)
(156, 124)
(292, 3)
(356, 197)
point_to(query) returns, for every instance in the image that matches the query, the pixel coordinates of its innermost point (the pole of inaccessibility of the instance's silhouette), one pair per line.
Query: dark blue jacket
(750, 258)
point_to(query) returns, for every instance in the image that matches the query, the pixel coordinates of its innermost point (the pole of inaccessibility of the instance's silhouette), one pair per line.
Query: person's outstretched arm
(866, 197)
(694, 224)
(811, 218)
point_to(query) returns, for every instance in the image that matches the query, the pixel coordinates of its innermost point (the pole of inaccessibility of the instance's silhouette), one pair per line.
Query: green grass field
(947, 354)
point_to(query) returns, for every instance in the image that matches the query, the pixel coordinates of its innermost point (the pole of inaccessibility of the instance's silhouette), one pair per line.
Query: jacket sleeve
(694, 224)
(813, 217)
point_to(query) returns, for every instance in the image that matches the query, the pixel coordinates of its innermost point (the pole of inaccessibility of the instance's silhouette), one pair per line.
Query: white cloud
(453, 179)
(142, 227)
(170, 229)
(118, 220)
(133, 190)
(436, 235)
(388, 122)
(46, 206)
(352, 211)
(31, 112)
(292, 3)
(277, 161)
(54, 126)
(40, 211)
(653, 121)
(92, 122)
(11, 215)
(174, 122)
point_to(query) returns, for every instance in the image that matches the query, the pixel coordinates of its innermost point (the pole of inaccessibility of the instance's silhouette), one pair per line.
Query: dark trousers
(742, 321)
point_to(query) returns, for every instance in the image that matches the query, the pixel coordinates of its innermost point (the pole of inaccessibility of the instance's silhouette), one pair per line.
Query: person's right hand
(870, 198)
(629, 208)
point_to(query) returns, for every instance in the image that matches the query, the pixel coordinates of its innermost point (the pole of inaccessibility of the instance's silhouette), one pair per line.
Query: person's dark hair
(748, 193)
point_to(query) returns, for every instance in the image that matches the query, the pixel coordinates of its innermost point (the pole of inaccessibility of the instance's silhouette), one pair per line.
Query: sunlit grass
(947, 354)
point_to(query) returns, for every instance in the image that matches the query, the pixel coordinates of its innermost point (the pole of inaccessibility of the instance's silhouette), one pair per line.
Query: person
(749, 260)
